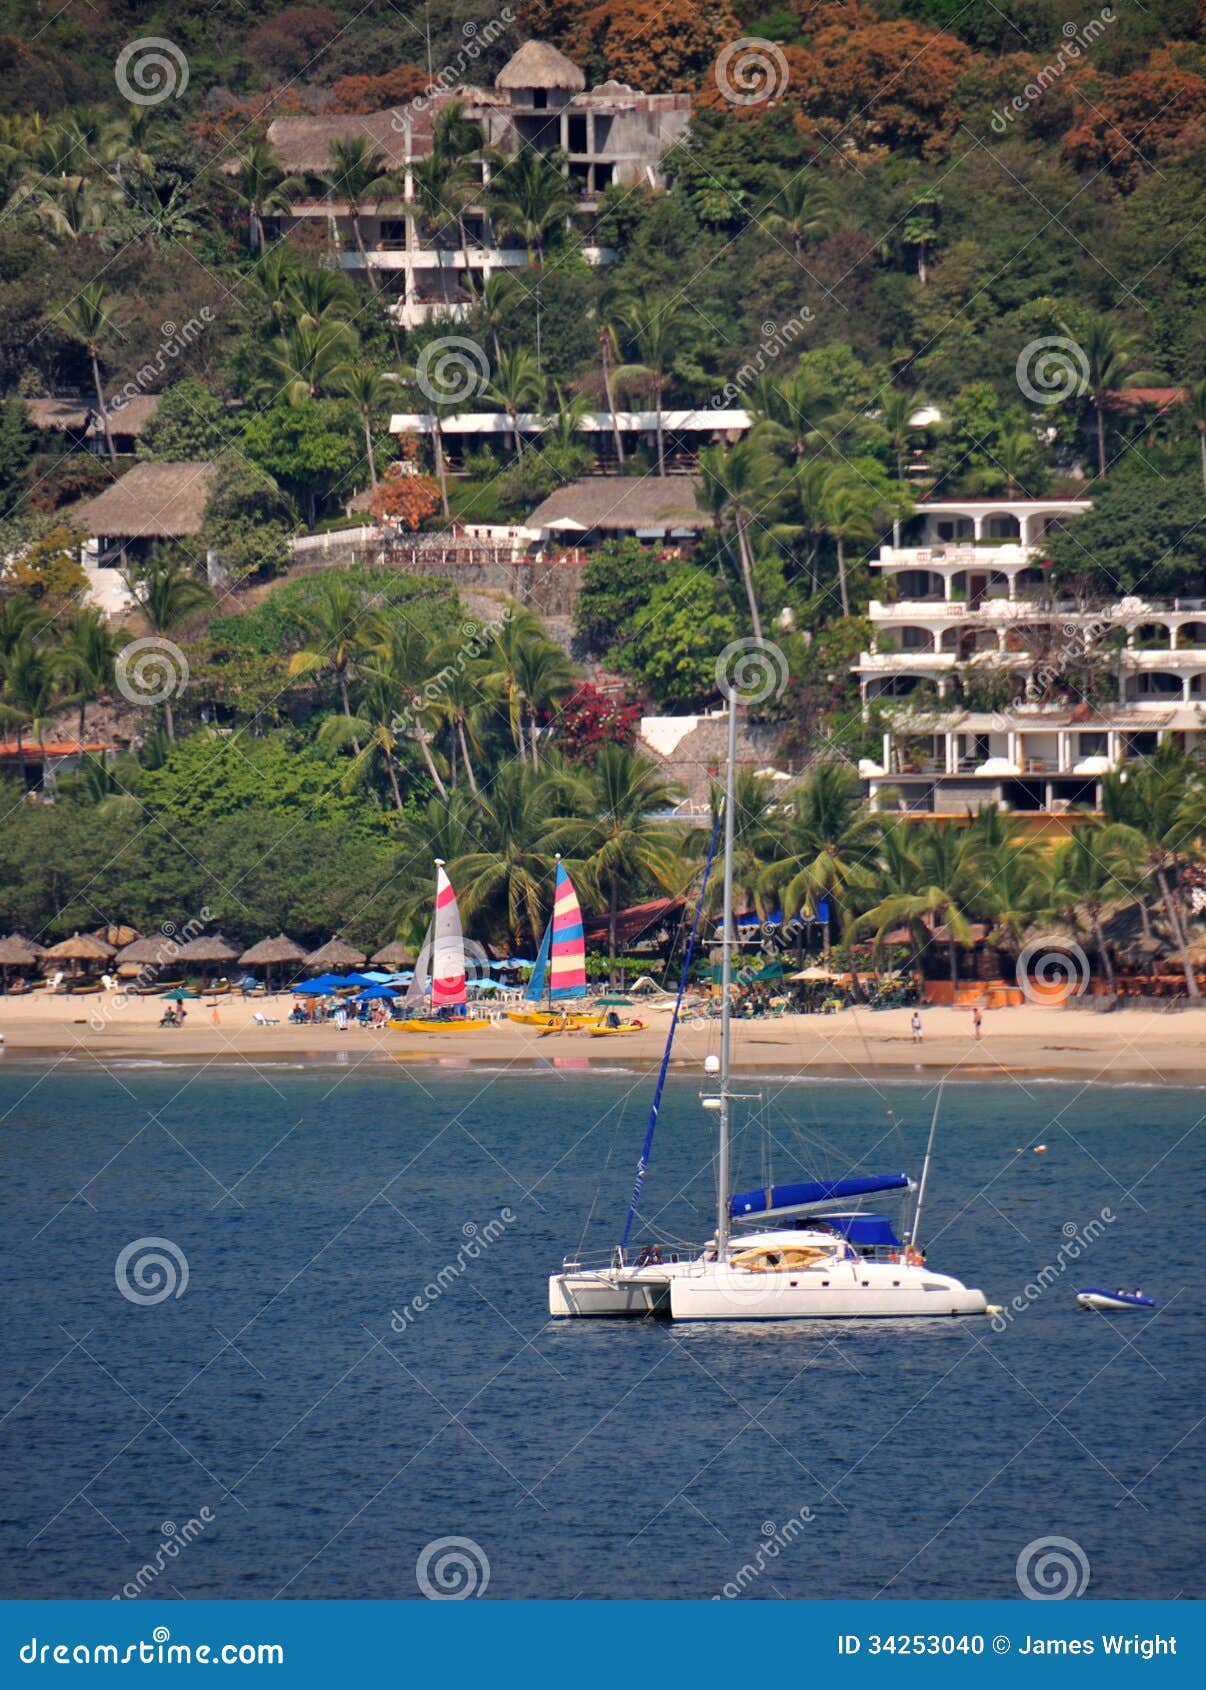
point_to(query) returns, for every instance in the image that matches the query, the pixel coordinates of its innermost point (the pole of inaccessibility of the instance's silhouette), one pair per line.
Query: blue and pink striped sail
(560, 970)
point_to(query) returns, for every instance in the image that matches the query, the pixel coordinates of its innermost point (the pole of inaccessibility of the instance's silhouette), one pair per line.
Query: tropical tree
(398, 655)
(309, 356)
(897, 409)
(1197, 416)
(656, 329)
(803, 207)
(31, 691)
(546, 678)
(340, 630)
(618, 843)
(827, 850)
(1097, 870)
(1163, 798)
(738, 485)
(935, 881)
(516, 385)
(848, 510)
(86, 655)
(529, 197)
(263, 187)
(1109, 352)
(368, 390)
(87, 318)
(168, 594)
(799, 414)
(359, 176)
(505, 882)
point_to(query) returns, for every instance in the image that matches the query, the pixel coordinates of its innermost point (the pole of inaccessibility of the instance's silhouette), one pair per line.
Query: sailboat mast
(723, 1173)
(431, 966)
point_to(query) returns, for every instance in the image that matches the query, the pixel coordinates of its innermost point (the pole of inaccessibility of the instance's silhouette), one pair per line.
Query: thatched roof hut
(335, 954)
(16, 952)
(393, 955)
(211, 947)
(153, 501)
(81, 947)
(538, 64)
(155, 949)
(270, 952)
(614, 505)
(116, 934)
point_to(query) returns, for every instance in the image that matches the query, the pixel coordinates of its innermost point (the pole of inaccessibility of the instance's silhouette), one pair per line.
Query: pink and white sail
(447, 947)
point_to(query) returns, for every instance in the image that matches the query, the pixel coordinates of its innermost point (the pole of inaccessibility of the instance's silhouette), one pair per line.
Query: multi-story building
(609, 134)
(969, 607)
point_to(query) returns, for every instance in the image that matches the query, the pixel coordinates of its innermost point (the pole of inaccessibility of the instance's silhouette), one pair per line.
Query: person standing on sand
(977, 1019)
(916, 1026)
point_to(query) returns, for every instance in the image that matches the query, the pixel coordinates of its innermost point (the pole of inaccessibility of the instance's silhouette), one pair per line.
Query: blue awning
(866, 1230)
(795, 1199)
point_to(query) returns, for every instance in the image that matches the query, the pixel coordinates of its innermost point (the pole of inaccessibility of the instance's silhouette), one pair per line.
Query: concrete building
(610, 134)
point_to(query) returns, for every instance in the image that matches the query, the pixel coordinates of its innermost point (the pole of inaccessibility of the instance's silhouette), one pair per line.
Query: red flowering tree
(405, 496)
(591, 719)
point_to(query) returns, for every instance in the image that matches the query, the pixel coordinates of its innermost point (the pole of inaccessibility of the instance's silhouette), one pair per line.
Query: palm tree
(609, 352)
(939, 888)
(517, 384)
(340, 629)
(74, 207)
(168, 595)
(263, 187)
(503, 670)
(464, 702)
(505, 881)
(494, 305)
(1164, 799)
(803, 207)
(656, 329)
(529, 197)
(799, 413)
(618, 843)
(32, 691)
(368, 391)
(758, 841)
(399, 657)
(1097, 869)
(827, 851)
(359, 176)
(376, 726)
(314, 297)
(738, 483)
(309, 355)
(896, 411)
(848, 507)
(86, 657)
(1109, 356)
(546, 678)
(87, 317)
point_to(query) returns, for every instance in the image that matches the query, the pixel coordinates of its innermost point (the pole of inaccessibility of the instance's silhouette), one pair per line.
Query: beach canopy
(394, 955)
(373, 994)
(336, 954)
(282, 949)
(815, 972)
(322, 983)
(147, 950)
(178, 994)
(16, 952)
(359, 980)
(116, 935)
(81, 947)
(211, 947)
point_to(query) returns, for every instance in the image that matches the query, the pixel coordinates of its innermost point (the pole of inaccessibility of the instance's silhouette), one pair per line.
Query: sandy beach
(1127, 1044)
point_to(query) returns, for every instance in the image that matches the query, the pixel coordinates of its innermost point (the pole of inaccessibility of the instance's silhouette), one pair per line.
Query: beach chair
(262, 1020)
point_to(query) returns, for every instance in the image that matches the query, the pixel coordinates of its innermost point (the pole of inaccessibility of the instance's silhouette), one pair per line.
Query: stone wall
(696, 760)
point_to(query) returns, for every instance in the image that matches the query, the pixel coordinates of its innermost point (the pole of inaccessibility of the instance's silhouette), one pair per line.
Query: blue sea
(283, 1332)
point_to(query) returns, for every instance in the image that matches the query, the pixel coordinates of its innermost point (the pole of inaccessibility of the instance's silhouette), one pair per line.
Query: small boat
(436, 998)
(1105, 1302)
(602, 1031)
(559, 973)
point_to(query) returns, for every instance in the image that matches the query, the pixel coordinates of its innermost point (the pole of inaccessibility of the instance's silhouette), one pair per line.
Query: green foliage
(312, 449)
(619, 577)
(247, 521)
(671, 647)
(16, 451)
(1144, 537)
(190, 423)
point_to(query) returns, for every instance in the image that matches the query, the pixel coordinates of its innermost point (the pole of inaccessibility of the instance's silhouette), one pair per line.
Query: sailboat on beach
(437, 990)
(559, 976)
(806, 1255)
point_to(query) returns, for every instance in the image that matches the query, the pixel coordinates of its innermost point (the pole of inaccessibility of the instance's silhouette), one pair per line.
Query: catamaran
(437, 996)
(560, 972)
(805, 1255)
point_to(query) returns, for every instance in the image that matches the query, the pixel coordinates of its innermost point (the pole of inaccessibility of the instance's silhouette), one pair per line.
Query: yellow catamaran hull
(458, 1024)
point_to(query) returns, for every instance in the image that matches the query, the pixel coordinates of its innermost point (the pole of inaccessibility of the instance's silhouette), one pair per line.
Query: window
(577, 135)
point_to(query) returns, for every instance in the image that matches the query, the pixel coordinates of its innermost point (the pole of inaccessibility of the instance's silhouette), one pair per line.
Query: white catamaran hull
(602, 1293)
(837, 1291)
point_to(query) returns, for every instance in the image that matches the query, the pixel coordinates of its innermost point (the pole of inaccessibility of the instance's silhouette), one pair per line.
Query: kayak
(455, 1024)
(610, 1032)
(1104, 1301)
(552, 1021)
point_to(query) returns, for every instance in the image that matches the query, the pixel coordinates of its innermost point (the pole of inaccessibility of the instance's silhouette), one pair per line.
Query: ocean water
(359, 1365)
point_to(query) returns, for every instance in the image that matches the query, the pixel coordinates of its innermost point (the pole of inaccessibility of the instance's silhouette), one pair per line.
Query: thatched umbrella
(16, 952)
(393, 956)
(210, 948)
(281, 952)
(335, 954)
(116, 935)
(81, 947)
(142, 951)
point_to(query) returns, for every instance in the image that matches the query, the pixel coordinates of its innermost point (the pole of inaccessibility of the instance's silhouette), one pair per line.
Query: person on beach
(916, 1026)
(977, 1019)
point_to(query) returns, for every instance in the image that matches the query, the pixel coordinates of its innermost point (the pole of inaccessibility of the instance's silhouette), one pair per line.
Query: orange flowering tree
(658, 46)
(405, 496)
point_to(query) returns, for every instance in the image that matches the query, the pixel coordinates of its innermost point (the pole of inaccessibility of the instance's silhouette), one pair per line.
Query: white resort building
(609, 134)
(967, 604)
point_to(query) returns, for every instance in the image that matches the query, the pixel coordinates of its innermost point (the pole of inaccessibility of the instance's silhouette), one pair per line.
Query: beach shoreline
(1146, 1046)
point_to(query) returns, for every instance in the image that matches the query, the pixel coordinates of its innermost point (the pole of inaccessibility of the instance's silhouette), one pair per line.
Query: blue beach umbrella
(373, 994)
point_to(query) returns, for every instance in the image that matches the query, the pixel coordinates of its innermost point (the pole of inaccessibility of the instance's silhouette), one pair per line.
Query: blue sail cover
(791, 1199)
